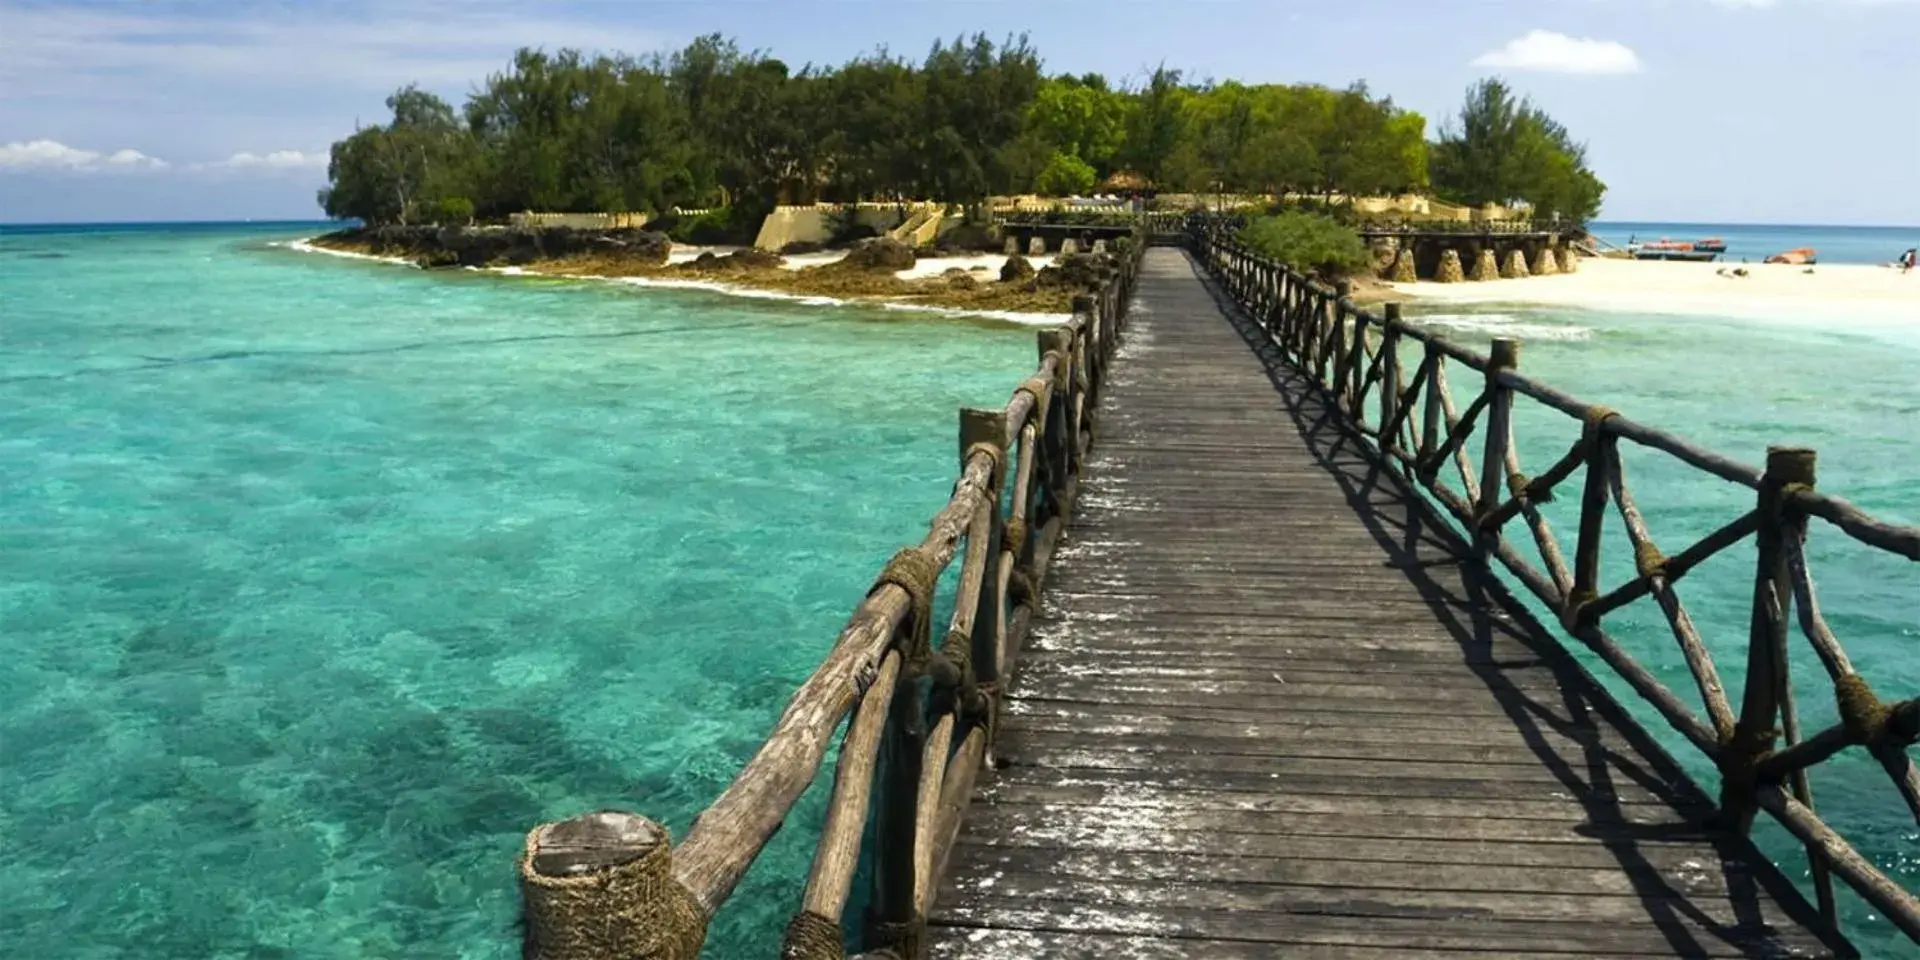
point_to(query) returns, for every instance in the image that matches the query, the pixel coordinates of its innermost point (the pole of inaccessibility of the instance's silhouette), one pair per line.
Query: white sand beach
(1869, 293)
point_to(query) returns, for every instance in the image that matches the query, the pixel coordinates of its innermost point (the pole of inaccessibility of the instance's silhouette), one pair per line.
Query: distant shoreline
(1850, 292)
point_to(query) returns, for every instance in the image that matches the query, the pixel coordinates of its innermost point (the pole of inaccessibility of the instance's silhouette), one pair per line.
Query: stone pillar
(1036, 246)
(1069, 247)
(1404, 270)
(1567, 258)
(1516, 266)
(1450, 271)
(1544, 265)
(1012, 246)
(1099, 246)
(1485, 267)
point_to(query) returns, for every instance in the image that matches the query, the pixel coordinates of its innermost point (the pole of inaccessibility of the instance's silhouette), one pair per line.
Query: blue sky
(1781, 111)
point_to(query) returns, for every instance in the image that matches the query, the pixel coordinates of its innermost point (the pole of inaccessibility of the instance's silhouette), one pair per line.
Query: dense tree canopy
(1502, 149)
(713, 125)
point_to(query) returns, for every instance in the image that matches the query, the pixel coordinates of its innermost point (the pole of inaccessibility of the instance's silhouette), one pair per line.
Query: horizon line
(267, 221)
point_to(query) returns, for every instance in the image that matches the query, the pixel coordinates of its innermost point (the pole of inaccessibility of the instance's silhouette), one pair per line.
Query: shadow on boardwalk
(1273, 708)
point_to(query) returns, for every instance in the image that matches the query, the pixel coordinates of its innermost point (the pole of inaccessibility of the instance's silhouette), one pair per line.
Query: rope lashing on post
(1595, 416)
(914, 570)
(1013, 536)
(1019, 588)
(1745, 748)
(903, 939)
(606, 914)
(811, 936)
(998, 474)
(1861, 712)
(1517, 484)
(1648, 560)
(1039, 388)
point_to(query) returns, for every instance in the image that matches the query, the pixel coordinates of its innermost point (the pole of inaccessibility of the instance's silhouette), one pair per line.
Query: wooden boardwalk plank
(1271, 708)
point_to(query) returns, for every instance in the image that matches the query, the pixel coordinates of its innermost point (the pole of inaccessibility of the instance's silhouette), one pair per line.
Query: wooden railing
(1409, 415)
(924, 707)
(1470, 228)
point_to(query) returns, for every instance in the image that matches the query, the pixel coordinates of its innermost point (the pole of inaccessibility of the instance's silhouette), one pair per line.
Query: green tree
(1502, 149)
(1066, 175)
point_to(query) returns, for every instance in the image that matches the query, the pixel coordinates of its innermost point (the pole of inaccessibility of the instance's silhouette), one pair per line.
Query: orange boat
(1802, 255)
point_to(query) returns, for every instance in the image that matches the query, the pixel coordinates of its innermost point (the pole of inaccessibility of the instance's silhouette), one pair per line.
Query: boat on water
(1700, 251)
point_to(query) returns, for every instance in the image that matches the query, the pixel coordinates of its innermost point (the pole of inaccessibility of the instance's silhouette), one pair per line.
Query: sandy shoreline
(1879, 294)
(981, 265)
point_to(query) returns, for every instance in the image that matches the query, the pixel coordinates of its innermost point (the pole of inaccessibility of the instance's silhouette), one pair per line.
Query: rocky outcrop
(1450, 271)
(1080, 271)
(1403, 269)
(736, 262)
(1544, 263)
(961, 281)
(880, 253)
(1017, 269)
(1516, 266)
(505, 246)
(1485, 266)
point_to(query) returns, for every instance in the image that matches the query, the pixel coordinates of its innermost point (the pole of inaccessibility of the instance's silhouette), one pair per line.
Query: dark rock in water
(1017, 269)
(1079, 271)
(954, 272)
(798, 247)
(880, 253)
(735, 262)
(495, 246)
(961, 281)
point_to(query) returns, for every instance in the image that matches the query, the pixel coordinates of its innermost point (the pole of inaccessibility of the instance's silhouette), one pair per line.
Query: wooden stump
(600, 887)
(1544, 264)
(1403, 270)
(1450, 271)
(1516, 266)
(1485, 267)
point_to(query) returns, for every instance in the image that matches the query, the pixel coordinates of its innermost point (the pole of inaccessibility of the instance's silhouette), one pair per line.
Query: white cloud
(277, 160)
(1545, 51)
(54, 155)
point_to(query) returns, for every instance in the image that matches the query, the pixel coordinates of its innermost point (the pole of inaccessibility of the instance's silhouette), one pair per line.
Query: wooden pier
(1229, 673)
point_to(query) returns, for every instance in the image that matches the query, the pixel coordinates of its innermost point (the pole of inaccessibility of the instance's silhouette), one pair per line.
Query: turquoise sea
(1756, 242)
(321, 581)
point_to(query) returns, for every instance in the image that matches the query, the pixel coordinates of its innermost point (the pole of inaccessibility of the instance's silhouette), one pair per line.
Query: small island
(694, 166)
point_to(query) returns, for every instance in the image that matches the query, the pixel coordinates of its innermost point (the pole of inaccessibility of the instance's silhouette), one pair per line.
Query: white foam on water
(307, 246)
(1506, 325)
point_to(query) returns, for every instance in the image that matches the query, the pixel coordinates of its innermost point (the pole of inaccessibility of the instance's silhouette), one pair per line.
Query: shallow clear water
(1756, 242)
(1736, 385)
(323, 581)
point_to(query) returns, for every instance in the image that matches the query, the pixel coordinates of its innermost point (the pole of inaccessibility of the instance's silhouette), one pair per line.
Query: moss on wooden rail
(1327, 337)
(907, 760)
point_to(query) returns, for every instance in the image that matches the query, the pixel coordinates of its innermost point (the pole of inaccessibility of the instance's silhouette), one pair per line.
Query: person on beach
(1907, 259)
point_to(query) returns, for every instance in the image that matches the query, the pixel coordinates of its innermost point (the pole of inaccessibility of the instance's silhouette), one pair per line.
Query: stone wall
(812, 223)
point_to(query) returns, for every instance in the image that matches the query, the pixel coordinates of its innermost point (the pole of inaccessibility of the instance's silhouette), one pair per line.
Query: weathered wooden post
(1331, 343)
(1753, 735)
(988, 429)
(1493, 466)
(1593, 506)
(893, 917)
(1433, 413)
(600, 887)
(1389, 373)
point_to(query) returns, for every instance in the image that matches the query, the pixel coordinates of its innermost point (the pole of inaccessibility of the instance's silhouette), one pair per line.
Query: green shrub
(705, 230)
(1308, 242)
(1065, 175)
(453, 211)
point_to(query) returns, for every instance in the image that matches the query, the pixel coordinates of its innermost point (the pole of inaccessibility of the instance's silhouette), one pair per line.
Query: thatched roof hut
(1126, 181)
